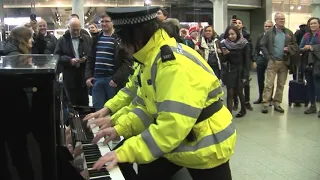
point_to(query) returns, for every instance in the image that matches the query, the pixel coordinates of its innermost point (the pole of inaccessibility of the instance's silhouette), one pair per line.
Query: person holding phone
(73, 49)
(245, 34)
(236, 55)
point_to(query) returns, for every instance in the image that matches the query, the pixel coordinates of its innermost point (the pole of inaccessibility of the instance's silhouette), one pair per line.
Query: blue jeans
(313, 85)
(102, 92)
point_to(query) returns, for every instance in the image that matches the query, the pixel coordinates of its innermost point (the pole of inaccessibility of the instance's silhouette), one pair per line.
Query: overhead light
(292, 7)
(299, 7)
(147, 3)
(18, 21)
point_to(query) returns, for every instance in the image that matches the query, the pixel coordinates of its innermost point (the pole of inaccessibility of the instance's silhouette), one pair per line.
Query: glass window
(297, 12)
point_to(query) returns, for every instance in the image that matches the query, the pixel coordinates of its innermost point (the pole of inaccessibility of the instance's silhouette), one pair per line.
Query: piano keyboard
(92, 152)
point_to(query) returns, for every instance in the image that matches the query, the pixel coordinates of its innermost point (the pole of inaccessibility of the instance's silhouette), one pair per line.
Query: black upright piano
(33, 131)
(30, 135)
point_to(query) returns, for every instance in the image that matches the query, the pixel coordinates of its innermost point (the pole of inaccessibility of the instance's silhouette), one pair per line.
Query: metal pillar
(315, 8)
(220, 15)
(2, 30)
(78, 8)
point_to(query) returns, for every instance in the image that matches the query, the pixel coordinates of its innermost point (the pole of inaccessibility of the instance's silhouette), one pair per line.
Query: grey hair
(268, 21)
(278, 13)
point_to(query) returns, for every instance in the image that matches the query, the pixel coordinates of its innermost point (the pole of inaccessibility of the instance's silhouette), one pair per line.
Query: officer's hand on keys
(102, 122)
(109, 134)
(110, 159)
(101, 113)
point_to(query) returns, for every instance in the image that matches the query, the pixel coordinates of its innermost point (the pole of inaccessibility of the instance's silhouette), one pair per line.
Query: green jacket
(267, 42)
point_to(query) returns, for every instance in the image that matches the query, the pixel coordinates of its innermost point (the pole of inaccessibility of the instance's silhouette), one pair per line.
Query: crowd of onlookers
(96, 60)
(277, 53)
(95, 63)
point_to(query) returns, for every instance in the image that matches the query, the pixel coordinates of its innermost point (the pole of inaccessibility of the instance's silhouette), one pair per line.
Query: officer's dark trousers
(162, 169)
(126, 168)
(261, 70)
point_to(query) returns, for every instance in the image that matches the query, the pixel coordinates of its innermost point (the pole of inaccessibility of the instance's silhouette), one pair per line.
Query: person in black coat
(237, 59)
(73, 49)
(303, 29)
(262, 62)
(245, 34)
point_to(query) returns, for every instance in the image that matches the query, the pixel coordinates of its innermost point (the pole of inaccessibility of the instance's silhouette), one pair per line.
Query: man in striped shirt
(107, 68)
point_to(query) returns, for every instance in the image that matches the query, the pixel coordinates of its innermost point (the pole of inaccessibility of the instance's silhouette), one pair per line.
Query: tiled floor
(275, 146)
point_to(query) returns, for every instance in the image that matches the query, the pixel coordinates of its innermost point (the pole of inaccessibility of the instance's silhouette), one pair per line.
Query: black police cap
(132, 15)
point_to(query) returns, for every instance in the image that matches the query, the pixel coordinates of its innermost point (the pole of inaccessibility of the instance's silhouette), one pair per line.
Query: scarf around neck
(241, 43)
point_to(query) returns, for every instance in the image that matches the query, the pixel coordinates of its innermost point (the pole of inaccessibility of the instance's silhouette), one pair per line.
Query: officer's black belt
(206, 113)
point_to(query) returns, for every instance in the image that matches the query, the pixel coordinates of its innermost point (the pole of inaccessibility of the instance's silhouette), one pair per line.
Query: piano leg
(19, 154)
(126, 168)
(5, 171)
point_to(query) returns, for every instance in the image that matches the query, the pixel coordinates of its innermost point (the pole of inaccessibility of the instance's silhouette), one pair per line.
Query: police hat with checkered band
(132, 15)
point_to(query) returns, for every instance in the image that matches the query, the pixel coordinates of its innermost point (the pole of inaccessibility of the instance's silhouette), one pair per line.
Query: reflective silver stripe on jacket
(138, 101)
(212, 94)
(145, 118)
(151, 143)
(178, 107)
(128, 91)
(206, 141)
(209, 140)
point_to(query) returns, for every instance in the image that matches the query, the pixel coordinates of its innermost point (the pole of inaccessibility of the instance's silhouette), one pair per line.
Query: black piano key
(90, 165)
(102, 178)
(92, 159)
(92, 156)
(95, 173)
(90, 147)
(87, 142)
(88, 154)
(93, 151)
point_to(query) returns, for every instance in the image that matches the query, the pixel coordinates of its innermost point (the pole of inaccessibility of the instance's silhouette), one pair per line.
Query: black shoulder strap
(167, 54)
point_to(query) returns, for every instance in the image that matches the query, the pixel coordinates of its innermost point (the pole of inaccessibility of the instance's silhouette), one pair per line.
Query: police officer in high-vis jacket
(181, 96)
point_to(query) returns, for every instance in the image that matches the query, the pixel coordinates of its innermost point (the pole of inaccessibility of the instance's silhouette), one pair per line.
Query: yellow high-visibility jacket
(125, 101)
(175, 87)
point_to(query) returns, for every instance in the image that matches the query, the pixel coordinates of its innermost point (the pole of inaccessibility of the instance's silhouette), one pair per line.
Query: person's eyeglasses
(105, 21)
(267, 26)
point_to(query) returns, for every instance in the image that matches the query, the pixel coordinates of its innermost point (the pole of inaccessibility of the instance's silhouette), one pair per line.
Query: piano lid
(28, 64)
